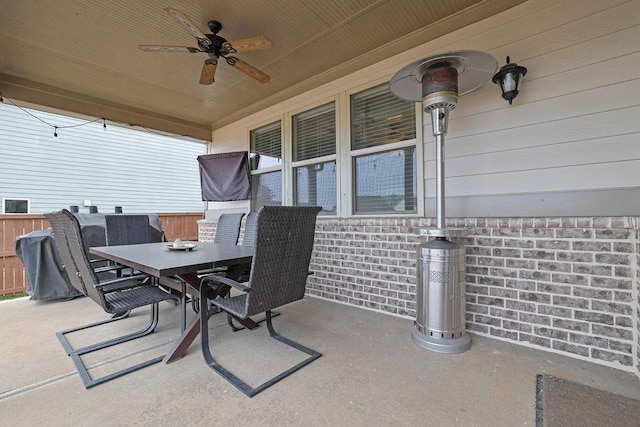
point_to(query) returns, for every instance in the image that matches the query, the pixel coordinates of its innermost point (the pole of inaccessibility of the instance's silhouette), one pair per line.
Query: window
(383, 152)
(15, 206)
(266, 146)
(314, 158)
(385, 182)
(266, 189)
(376, 169)
(315, 185)
(266, 165)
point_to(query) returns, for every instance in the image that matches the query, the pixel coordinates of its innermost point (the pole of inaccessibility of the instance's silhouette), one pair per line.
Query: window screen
(386, 182)
(314, 133)
(266, 189)
(315, 185)
(378, 118)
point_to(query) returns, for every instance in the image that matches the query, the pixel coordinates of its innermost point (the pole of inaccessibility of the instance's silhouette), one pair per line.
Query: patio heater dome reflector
(474, 69)
(437, 81)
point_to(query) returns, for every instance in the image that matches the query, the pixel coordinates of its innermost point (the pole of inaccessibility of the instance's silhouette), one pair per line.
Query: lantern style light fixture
(509, 78)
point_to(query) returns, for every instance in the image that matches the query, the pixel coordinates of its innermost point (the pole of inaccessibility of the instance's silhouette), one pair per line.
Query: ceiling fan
(216, 47)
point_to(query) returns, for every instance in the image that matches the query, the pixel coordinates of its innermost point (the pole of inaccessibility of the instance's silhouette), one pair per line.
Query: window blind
(314, 132)
(378, 118)
(266, 146)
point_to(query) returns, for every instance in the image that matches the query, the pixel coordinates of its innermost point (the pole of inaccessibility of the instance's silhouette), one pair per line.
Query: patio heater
(437, 81)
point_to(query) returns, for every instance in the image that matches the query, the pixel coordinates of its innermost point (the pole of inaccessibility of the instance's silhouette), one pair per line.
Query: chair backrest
(280, 263)
(127, 229)
(250, 229)
(228, 228)
(70, 245)
(60, 240)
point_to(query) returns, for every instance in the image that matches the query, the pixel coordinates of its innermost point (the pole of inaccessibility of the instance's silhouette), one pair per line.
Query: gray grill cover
(46, 278)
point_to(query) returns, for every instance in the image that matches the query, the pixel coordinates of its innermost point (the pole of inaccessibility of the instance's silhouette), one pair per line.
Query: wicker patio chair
(127, 229)
(278, 276)
(114, 296)
(227, 232)
(250, 229)
(228, 228)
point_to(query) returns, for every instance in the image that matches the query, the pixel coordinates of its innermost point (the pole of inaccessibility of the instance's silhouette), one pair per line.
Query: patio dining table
(156, 259)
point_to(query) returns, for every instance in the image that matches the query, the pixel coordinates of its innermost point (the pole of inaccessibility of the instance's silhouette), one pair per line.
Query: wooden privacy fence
(13, 280)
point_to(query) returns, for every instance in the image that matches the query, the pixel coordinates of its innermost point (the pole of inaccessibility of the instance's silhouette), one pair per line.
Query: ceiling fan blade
(248, 69)
(248, 45)
(159, 48)
(208, 72)
(182, 18)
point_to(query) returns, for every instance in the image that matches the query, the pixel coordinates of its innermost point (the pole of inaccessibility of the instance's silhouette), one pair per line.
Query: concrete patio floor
(371, 374)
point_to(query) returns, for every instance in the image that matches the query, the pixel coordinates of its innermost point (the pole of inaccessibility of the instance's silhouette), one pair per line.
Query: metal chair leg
(76, 354)
(232, 378)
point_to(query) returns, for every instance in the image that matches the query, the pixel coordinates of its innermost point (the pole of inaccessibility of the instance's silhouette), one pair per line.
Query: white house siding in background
(140, 171)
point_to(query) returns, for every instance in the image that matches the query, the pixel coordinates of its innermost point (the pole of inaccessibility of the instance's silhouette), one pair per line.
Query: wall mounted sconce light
(509, 78)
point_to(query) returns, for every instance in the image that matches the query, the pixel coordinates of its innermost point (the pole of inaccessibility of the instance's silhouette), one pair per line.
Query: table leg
(184, 342)
(193, 329)
(190, 284)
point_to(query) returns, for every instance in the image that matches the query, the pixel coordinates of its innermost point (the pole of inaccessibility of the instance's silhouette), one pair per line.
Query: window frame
(349, 190)
(344, 156)
(276, 168)
(290, 184)
(5, 199)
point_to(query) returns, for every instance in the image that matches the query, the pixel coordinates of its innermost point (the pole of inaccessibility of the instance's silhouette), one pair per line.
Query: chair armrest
(225, 281)
(109, 268)
(110, 283)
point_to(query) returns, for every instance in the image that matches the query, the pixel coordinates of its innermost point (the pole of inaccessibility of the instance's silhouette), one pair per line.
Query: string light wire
(55, 128)
(104, 122)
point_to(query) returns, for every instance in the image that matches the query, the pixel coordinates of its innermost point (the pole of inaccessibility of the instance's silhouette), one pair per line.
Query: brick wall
(567, 285)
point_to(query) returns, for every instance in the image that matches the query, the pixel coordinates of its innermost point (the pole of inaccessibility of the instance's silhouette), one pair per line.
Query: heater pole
(440, 215)
(439, 117)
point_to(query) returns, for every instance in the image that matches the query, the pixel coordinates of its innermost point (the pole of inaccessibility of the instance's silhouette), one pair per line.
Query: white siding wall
(140, 171)
(573, 128)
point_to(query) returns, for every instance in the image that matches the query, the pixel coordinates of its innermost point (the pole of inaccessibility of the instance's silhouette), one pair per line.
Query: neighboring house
(87, 164)
(548, 187)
